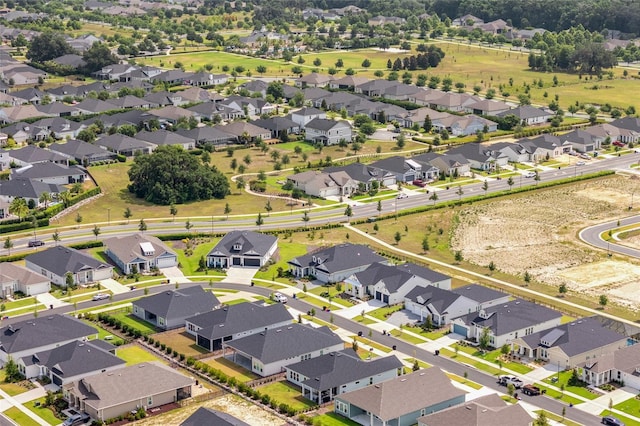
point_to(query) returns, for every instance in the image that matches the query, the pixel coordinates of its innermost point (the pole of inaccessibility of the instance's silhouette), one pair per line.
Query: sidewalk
(47, 299)
(601, 403)
(11, 400)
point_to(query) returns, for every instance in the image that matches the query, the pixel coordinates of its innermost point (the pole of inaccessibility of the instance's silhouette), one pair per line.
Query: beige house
(143, 252)
(17, 278)
(111, 394)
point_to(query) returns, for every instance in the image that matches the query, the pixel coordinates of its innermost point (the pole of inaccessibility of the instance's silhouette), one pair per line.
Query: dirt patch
(537, 232)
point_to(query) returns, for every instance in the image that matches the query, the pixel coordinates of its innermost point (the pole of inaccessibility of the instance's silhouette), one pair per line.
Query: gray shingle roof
(61, 260)
(285, 343)
(392, 277)
(118, 142)
(338, 368)
(79, 149)
(324, 124)
(179, 303)
(479, 293)
(47, 170)
(422, 272)
(440, 298)
(206, 416)
(163, 137)
(251, 244)
(338, 258)
(27, 188)
(35, 154)
(235, 319)
(42, 331)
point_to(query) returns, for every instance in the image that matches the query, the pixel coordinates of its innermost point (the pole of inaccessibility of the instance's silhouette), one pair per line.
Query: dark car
(530, 390)
(35, 243)
(612, 421)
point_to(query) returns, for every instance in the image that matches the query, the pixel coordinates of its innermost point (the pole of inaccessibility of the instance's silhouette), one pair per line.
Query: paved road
(591, 235)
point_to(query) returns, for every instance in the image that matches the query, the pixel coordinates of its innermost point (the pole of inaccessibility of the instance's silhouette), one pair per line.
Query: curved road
(591, 235)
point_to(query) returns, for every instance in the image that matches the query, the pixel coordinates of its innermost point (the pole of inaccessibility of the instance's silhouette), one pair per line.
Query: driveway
(174, 275)
(236, 275)
(47, 300)
(356, 310)
(114, 286)
(402, 317)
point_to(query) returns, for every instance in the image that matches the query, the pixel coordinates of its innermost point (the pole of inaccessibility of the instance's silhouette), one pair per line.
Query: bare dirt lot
(537, 232)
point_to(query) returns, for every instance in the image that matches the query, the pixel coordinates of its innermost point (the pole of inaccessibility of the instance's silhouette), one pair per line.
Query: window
(150, 401)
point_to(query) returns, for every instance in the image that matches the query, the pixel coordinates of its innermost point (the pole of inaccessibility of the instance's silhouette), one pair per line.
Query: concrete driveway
(403, 317)
(237, 275)
(47, 300)
(174, 275)
(114, 286)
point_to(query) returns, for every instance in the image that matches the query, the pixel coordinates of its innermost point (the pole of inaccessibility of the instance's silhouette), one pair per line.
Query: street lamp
(212, 225)
(631, 205)
(108, 216)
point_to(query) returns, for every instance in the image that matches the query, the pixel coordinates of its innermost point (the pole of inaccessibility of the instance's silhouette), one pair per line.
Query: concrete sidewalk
(174, 275)
(12, 401)
(355, 310)
(601, 403)
(36, 393)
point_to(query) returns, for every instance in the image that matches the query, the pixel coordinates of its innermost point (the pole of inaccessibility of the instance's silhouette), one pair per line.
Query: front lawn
(286, 252)
(190, 264)
(286, 393)
(563, 379)
(386, 311)
(493, 356)
(630, 406)
(134, 354)
(406, 337)
(102, 333)
(45, 413)
(330, 291)
(470, 361)
(366, 343)
(20, 418)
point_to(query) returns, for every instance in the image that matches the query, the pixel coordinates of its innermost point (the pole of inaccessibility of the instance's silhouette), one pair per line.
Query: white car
(100, 296)
(580, 163)
(279, 297)
(402, 195)
(529, 174)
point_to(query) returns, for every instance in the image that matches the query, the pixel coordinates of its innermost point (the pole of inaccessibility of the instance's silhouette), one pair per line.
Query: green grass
(102, 332)
(318, 321)
(627, 421)
(407, 337)
(366, 343)
(44, 412)
(138, 324)
(19, 417)
(284, 392)
(20, 303)
(631, 406)
(492, 356)
(312, 300)
(190, 264)
(564, 379)
(464, 381)
(333, 293)
(134, 354)
(384, 312)
(558, 418)
(364, 320)
(181, 342)
(333, 419)
(13, 389)
(566, 318)
(421, 364)
(286, 252)
(229, 368)
(470, 361)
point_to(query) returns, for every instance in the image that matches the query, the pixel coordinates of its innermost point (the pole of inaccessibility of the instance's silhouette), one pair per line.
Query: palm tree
(19, 207)
(46, 198)
(434, 197)
(510, 182)
(56, 237)
(65, 198)
(127, 214)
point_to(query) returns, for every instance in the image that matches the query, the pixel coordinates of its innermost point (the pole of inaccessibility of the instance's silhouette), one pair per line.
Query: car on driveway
(100, 296)
(618, 143)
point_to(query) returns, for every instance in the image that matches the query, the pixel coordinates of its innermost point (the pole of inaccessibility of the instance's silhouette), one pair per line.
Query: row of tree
(421, 61)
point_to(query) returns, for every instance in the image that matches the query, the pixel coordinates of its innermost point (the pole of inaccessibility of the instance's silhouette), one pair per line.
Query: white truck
(507, 380)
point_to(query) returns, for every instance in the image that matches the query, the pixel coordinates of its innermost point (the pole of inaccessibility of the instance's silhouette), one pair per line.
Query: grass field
(230, 369)
(19, 417)
(286, 393)
(180, 342)
(44, 412)
(136, 323)
(493, 357)
(133, 354)
(630, 406)
(102, 332)
(333, 419)
(286, 251)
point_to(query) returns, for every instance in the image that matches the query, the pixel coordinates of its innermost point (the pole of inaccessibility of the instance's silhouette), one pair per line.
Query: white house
(55, 262)
(17, 278)
(242, 248)
(328, 132)
(144, 252)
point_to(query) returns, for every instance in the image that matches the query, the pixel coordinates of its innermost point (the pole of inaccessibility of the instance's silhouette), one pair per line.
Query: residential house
(453, 101)
(507, 322)
(434, 278)
(111, 394)
(528, 115)
(242, 248)
(58, 109)
(70, 362)
(348, 82)
(70, 61)
(128, 101)
(18, 113)
(383, 20)
(442, 305)
(567, 345)
(31, 95)
(205, 79)
(542, 147)
(483, 411)
(255, 86)
(245, 132)
(487, 107)
(631, 125)
(313, 80)
(164, 137)
(172, 77)
(25, 338)
(375, 88)
(58, 93)
(248, 106)
(172, 114)
(207, 135)
(481, 156)
(581, 141)
(22, 75)
(196, 95)
(323, 184)
(30, 190)
(621, 366)
(328, 132)
(32, 154)
(82, 152)
(405, 169)
(270, 351)
(113, 72)
(400, 92)
(139, 251)
(56, 262)
(464, 125)
(607, 132)
(419, 116)
(467, 20)
(60, 128)
(280, 127)
(334, 264)
(323, 378)
(495, 27)
(208, 416)
(51, 173)
(124, 145)
(400, 401)
(163, 98)
(212, 328)
(169, 309)
(94, 106)
(447, 164)
(15, 278)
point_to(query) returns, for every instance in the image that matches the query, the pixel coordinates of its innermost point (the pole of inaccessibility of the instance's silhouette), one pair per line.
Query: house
(467, 20)
(383, 282)
(323, 378)
(124, 145)
(51, 173)
(374, 88)
(113, 72)
(567, 345)
(165, 137)
(487, 107)
(245, 132)
(528, 115)
(483, 411)
(128, 101)
(481, 156)
(27, 189)
(270, 351)
(364, 175)
(405, 169)
(59, 127)
(70, 362)
(111, 394)
(607, 132)
(581, 141)
(172, 114)
(18, 113)
(621, 366)
(169, 309)
(212, 328)
(313, 80)
(32, 154)
(447, 164)
(139, 251)
(58, 109)
(630, 124)
(56, 262)
(242, 248)
(442, 305)
(205, 79)
(323, 185)
(82, 152)
(5, 161)
(207, 135)
(307, 114)
(348, 82)
(434, 278)
(172, 77)
(450, 101)
(400, 401)
(46, 332)
(15, 278)
(542, 147)
(208, 416)
(464, 125)
(334, 264)
(280, 127)
(505, 323)
(94, 106)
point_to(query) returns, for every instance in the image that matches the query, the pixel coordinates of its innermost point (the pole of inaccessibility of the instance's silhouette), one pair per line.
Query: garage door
(252, 262)
(378, 295)
(57, 380)
(459, 329)
(166, 262)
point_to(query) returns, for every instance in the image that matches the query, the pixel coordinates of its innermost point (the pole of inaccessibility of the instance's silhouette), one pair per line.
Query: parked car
(100, 296)
(402, 195)
(529, 174)
(612, 421)
(35, 243)
(507, 380)
(279, 297)
(618, 143)
(580, 163)
(531, 390)
(76, 419)
(419, 183)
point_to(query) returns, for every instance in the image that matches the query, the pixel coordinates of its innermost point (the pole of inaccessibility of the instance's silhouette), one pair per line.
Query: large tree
(48, 45)
(172, 175)
(97, 57)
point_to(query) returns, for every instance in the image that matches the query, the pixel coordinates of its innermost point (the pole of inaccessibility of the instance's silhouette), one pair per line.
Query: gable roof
(251, 244)
(79, 149)
(47, 170)
(439, 298)
(233, 319)
(206, 416)
(338, 368)
(182, 303)
(423, 272)
(35, 154)
(338, 258)
(390, 276)
(128, 247)
(206, 134)
(324, 124)
(404, 394)
(61, 260)
(524, 112)
(120, 142)
(27, 188)
(42, 331)
(284, 343)
(479, 293)
(11, 272)
(163, 137)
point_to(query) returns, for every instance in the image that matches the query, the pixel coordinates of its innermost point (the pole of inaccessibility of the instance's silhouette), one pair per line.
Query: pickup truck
(531, 390)
(506, 380)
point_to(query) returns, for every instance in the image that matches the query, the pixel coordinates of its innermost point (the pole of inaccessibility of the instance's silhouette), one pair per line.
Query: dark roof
(75, 358)
(308, 111)
(358, 172)
(79, 149)
(479, 293)
(524, 111)
(206, 134)
(391, 277)
(439, 298)
(515, 315)
(95, 105)
(128, 101)
(163, 137)
(182, 303)
(251, 244)
(35, 154)
(206, 416)
(578, 136)
(275, 123)
(47, 170)
(629, 123)
(42, 331)
(395, 164)
(284, 343)
(119, 142)
(28, 188)
(61, 260)
(422, 272)
(233, 319)
(338, 368)
(338, 258)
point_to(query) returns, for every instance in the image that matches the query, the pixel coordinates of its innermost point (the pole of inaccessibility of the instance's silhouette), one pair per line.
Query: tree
(510, 182)
(96, 231)
(173, 211)
(379, 207)
(505, 349)
(261, 69)
(12, 373)
(259, 220)
(400, 140)
(56, 237)
(8, 244)
(97, 57)
(562, 289)
(127, 214)
(458, 256)
(172, 175)
(188, 225)
(19, 207)
(227, 210)
(511, 389)
(425, 243)
(69, 280)
(78, 218)
(45, 198)
(397, 237)
(48, 45)
(541, 420)
(603, 300)
(142, 226)
(485, 339)
(366, 63)
(348, 212)
(305, 217)
(527, 277)
(537, 177)
(434, 197)
(459, 192)
(485, 186)
(416, 365)
(492, 266)
(268, 207)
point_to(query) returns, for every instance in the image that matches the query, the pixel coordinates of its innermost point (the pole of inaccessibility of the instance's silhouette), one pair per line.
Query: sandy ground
(538, 233)
(230, 404)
